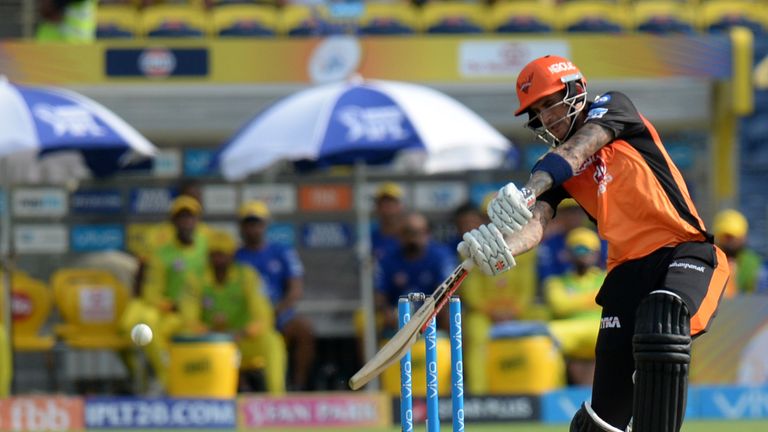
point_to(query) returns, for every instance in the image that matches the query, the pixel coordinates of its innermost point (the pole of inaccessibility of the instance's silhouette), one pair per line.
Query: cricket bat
(404, 339)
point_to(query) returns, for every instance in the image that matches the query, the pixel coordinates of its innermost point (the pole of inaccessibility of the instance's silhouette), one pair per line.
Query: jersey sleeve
(614, 111)
(292, 263)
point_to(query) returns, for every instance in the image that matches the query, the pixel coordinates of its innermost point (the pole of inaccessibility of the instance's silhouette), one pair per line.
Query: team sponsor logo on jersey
(596, 113)
(561, 67)
(687, 266)
(610, 322)
(601, 100)
(601, 176)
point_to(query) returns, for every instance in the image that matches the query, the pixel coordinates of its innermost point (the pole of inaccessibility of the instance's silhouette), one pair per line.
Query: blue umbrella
(49, 120)
(42, 121)
(370, 121)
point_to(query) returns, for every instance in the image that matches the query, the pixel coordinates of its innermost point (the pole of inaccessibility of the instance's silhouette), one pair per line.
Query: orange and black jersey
(631, 187)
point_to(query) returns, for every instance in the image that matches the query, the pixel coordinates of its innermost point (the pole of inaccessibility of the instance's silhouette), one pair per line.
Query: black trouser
(624, 288)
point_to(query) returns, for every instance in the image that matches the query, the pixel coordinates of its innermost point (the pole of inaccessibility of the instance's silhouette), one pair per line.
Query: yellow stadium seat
(31, 302)
(592, 16)
(302, 20)
(90, 302)
(454, 17)
(718, 15)
(521, 17)
(523, 361)
(174, 21)
(388, 18)
(242, 20)
(117, 21)
(663, 16)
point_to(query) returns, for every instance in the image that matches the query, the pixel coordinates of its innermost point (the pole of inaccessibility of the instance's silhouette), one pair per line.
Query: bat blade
(395, 348)
(404, 339)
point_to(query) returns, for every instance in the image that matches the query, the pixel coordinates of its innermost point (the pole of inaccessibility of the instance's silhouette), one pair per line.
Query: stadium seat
(720, 15)
(592, 16)
(521, 17)
(117, 22)
(388, 19)
(298, 20)
(454, 17)
(174, 21)
(31, 306)
(238, 20)
(90, 302)
(662, 17)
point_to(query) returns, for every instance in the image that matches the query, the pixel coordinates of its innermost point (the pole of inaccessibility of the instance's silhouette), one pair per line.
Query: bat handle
(468, 264)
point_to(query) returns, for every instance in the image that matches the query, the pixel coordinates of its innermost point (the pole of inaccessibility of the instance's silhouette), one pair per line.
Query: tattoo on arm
(533, 231)
(584, 143)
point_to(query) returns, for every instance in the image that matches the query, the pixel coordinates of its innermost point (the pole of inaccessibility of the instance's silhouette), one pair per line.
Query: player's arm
(532, 233)
(294, 284)
(562, 162)
(494, 253)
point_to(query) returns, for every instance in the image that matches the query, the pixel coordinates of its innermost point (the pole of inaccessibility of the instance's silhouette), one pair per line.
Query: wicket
(457, 368)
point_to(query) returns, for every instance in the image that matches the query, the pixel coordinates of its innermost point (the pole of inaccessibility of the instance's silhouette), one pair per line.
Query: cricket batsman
(665, 275)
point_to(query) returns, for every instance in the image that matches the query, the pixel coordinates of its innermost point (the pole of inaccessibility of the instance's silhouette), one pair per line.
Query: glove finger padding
(501, 219)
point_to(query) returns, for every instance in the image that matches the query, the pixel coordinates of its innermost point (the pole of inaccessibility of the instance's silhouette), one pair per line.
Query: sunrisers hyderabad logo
(525, 85)
(601, 175)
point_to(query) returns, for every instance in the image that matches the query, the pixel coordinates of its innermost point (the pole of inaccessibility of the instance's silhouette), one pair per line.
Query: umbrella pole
(365, 260)
(5, 252)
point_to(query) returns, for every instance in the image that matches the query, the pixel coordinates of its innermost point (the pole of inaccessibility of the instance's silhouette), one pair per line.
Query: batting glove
(510, 209)
(487, 249)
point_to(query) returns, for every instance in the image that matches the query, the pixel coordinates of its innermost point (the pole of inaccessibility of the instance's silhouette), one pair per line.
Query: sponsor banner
(280, 198)
(96, 201)
(136, 413)
(439, 196)
(282, 233)
(321, 410)
(482, 409)
(42, 202)
(316, 59)
(732, 402)
(323, 198)
(156, 62)
(478, 191)
(41, 414)
(197, 162)
(220, 200)
(90, 238)
(321, 235)
(49, 238)
(560, 406)
(151, 200)
(167, 163)
(136, 237)
(504, 59)
(367, 197)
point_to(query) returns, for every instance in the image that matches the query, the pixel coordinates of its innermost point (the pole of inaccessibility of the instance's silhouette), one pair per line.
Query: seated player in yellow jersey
(230, 298)
(169, 263)
(571, 298)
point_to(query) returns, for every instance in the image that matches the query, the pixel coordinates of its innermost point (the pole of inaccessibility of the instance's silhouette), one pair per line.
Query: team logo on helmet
(525, 85)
